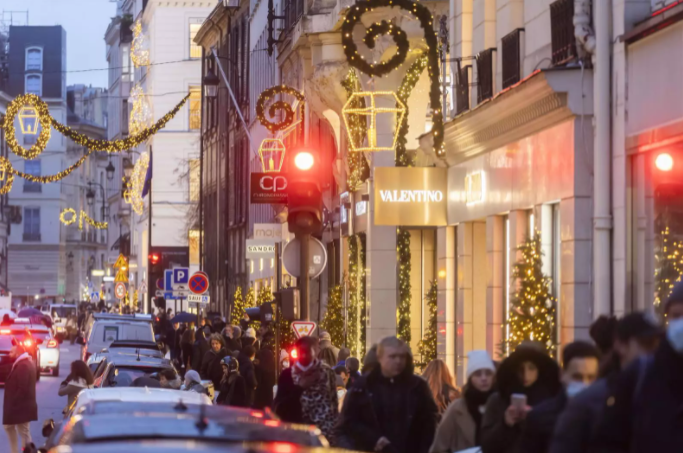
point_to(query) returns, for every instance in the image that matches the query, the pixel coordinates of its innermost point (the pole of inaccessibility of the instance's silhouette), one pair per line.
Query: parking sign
(181, 277)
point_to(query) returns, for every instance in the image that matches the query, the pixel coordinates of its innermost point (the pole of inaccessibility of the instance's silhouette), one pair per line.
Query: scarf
(318, 400)
(475, 400)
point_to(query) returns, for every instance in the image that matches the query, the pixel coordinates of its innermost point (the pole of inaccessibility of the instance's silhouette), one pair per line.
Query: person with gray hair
(389, 409)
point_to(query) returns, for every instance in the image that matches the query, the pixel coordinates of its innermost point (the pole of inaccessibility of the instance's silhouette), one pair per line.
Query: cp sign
(273, 183)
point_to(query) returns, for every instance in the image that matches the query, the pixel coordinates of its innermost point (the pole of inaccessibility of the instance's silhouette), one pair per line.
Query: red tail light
(52, 343)
(5, 332)
(257, 414)
(272, 423)
(281, 447)
(28, 343)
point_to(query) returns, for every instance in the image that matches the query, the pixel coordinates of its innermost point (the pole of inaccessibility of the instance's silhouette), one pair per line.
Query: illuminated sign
(410, 196)
(475, 188)
(361, 208)
(268, 188)
(258, 248)
(261, 249)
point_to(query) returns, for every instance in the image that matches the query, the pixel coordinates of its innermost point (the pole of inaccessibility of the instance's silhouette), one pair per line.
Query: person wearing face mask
(644, 414)
(460, 427)
(525, 379)
(632, 336)
(580, 361)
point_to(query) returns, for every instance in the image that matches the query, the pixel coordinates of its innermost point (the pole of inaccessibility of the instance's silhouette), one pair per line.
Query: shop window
(34, 59)
(34, 84)
(32, 167)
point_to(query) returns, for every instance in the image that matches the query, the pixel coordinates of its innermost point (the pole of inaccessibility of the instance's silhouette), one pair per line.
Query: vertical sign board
(181, 277)
(168, 284)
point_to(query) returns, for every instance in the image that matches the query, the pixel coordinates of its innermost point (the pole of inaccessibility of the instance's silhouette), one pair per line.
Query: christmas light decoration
(352, 339)
(118, 146)
(289, 115)
(669, 259)
(532, 309)
(356, 128)
(28, 120)
(403, 159)
(91, 222)
(404, 286)
(238, 307)
(43, 113)
(349, 111)
(64, 213)
(141, 114)
(6, 175)
(139, 52)
(424, 16)
(427, 345)
(362, 300)
(272, 153)
(333, 321)
(136, 183)
(56, 177)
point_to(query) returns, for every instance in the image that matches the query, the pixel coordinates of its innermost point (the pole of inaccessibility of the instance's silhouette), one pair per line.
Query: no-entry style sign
(303, 328)
(199, 283)
(120, 290)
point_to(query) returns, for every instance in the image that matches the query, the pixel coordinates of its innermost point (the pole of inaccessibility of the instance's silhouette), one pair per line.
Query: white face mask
(285, 364)
(674, 333)
(574, 388)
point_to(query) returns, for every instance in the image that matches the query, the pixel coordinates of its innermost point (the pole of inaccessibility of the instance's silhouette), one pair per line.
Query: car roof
(139, 395)
(134, 344)
(183, 446)
(181, 405)
(117, 317)
(143, 361)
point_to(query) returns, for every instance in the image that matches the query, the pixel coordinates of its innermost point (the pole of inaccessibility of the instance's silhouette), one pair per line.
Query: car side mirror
(80, 341)
(48, 427)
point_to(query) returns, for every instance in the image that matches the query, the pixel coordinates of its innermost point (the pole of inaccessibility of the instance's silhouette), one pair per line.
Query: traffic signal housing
(263, 313)
(304, 195)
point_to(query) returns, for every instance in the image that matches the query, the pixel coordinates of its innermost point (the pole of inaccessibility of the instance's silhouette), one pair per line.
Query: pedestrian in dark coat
(19, 406)
(245, 359)
(264, 368)
(528, 371)
(390, 409)
(233, 391)
(199, 349)
(632, 336)
(307, 391)
(645, 414)
(211, 364)
(353, 366)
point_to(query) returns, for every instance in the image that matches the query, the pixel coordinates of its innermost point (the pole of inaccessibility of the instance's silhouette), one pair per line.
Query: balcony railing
(512, 57)
(31, 237)
(485, 74)
(562, 31)
(294, 9)
(462, 87)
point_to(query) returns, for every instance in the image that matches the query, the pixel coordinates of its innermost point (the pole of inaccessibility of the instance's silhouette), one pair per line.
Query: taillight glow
(281, 447)
(293, 354)
(664, 162)
(5, 332)
(272, 423)
(257, 414)
(52, 343)
(28, 343)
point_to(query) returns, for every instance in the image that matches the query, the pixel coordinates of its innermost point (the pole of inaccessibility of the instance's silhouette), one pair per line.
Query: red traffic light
(304, 160)
(664, 162)
(154, 258)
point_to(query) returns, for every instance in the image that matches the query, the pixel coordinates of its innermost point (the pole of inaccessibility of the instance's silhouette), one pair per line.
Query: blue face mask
(574, 388)
(674, 333)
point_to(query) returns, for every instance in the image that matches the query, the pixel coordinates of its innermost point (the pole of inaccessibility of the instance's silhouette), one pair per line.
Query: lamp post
(211, 84)
(110, 169)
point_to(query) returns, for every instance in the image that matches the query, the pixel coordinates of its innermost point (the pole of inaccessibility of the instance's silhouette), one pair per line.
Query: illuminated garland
(141, 114)
(238, 307)
(363, 301)
(6, 175)
(289, 114)
(359, 170)
(93, 223)
(64, 220)
(532, 309)
(138, 52)
(404, 286)
(118, 146)
(427, 346)
(44, 118)
(136, 183)
(354, 302)
(333, 321)
(669, 259)
(403, 159)
(56, 177)
(424, 16)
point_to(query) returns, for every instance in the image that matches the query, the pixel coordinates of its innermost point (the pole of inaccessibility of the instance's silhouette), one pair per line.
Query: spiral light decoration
(289, 114)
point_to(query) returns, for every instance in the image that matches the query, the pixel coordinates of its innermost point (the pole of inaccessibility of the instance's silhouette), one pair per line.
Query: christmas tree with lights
(532, 309)
(427, 346)
(238, 307)
(669, 262)
(333, 321)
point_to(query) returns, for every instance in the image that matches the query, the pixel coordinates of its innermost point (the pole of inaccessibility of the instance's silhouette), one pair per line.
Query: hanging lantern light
(272, 153)
(367, 113)
(28, 120)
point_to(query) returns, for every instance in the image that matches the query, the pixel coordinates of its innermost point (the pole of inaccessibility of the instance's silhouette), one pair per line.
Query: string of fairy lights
(356, 127)
(333, 321)
(427, 345)
(669, 258)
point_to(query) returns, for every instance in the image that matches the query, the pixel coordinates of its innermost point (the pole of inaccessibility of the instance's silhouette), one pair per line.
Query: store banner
(260, 248)
(410, 196)
(268, 188)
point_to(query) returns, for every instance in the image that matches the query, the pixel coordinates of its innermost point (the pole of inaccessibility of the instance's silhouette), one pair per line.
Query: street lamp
(90, 195)
(110, 169)
(211, 84)
(127, 167)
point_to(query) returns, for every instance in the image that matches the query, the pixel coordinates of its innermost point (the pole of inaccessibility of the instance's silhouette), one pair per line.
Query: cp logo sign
(274, 183)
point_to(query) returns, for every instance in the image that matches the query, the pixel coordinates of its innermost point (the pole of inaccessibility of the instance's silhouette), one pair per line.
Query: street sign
(143, 287)
(303, 328)
(179, 294)
(181, 275)
(198, 299)
(160, 283)
(317, 257)
(199, 283)
(95, 298)
(159, 293)
(120, 290)
(120, 262)
(267, 188)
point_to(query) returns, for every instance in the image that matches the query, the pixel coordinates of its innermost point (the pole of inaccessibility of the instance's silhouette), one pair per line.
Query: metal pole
(150, 289)
(304, 284)
(278, 308)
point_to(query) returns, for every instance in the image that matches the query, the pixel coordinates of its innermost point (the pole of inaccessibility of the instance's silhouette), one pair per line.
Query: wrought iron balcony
(562, 31)
(294, 10)
(485, 74)
(512, 57)
(462, 87)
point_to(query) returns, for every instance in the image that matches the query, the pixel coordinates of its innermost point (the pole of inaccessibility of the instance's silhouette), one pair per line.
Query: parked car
(60, 313)
(106, 329)
(48, 347)
(22, 333)
(122, 371)
(183, 446)
(125, 347)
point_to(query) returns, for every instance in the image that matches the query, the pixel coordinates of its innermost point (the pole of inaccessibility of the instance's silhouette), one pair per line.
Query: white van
(102, 332)
(59, 314)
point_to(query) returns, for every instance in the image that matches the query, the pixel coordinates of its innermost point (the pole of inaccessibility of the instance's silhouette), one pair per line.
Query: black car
(122, 370)
(30, 345)
(183, 446)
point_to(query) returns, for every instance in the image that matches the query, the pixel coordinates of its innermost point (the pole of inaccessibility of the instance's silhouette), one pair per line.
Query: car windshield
(62, 312)
(124, 376)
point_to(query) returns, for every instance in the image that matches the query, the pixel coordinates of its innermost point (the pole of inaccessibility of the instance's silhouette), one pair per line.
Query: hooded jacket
(496, 435)
(401, 409)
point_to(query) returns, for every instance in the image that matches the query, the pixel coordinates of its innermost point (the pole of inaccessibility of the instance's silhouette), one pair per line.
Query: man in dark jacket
(20, 407)
(245, 359)
(390, 409)
(644, 414)
(580, 369)
(264, 368)
(633, 336)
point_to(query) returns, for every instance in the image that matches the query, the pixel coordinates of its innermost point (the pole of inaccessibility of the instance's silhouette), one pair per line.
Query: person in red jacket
(20, 407)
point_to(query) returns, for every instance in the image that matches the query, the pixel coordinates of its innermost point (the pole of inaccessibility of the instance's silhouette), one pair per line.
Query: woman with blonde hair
(441, 384)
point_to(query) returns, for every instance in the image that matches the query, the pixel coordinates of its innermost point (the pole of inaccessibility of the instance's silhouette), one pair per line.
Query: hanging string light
(371, 111)
(427, 345)
(91, 222)
(64, 213)
(6, 175)
(56, 177)
(141, 114)
(139, 52)
(403, 159)
(43, 114)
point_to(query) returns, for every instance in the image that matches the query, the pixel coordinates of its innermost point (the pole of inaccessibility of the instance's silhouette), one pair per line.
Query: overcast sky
(85, 22)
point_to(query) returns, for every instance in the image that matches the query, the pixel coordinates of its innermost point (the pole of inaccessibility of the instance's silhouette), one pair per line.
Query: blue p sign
(181, 276)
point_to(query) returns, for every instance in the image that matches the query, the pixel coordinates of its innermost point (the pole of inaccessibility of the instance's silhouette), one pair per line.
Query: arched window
(34, 59)
(34, 84)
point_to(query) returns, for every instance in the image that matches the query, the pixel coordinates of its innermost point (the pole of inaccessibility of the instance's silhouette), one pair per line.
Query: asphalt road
(50, 405)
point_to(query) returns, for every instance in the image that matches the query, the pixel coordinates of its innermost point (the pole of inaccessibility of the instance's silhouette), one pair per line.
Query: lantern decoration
(272, 153)
(139, 48)
(135, 184)
(28, 120)
(141, 115)
(34, 111)
(354, 113)
(6, 175)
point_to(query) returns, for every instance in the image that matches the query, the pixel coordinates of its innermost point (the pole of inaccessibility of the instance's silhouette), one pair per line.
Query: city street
(50, 405)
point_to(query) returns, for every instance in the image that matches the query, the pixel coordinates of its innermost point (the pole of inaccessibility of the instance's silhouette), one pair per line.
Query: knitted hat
(479, 360)
(250, 333)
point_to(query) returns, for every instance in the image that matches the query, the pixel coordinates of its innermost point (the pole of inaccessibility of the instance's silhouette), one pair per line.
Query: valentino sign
(410, 196)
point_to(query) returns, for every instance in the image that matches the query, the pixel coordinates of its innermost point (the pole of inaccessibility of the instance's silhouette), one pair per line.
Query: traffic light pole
(304, 280)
